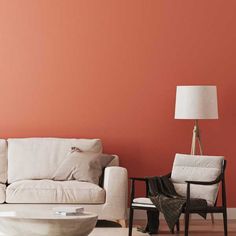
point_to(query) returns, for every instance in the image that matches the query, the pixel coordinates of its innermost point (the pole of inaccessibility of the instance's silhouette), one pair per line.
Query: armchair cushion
(143, 202)
(198, 191)
(197, 168)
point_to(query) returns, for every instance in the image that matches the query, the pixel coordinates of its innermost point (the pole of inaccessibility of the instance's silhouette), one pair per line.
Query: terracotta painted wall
(109, 69)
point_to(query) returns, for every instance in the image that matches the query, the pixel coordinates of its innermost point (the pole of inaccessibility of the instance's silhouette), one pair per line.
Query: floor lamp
(196, 103)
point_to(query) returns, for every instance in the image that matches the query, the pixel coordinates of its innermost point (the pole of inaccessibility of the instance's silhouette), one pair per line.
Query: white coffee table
(45, 222)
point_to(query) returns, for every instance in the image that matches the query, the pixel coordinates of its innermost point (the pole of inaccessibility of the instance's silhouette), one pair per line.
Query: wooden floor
(197, 228)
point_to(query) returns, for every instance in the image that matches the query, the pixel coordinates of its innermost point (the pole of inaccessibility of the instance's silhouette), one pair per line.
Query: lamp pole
(196, 138)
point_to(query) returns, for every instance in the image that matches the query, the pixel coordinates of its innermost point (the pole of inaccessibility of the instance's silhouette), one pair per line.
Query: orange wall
(109, 69)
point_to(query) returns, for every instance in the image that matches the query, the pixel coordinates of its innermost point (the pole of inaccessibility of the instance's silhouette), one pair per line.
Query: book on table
(67, 211)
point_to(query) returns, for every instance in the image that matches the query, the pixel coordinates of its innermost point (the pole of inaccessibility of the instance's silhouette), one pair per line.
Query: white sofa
(26, 169)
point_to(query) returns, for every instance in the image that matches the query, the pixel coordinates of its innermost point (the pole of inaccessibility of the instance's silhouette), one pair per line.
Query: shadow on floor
(107, 224)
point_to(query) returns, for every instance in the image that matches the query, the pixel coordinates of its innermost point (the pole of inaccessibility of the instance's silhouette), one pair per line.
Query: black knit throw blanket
(164, 197)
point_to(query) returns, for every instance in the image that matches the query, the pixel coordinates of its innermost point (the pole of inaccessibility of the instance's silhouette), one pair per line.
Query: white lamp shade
(196, 102)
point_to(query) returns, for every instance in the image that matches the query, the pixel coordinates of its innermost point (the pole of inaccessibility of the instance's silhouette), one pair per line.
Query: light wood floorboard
(197, 228)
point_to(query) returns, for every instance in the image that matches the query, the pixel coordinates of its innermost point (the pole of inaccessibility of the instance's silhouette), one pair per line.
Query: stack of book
(68, 211)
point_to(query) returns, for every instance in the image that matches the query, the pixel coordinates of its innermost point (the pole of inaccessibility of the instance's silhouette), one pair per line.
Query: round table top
(45, 215)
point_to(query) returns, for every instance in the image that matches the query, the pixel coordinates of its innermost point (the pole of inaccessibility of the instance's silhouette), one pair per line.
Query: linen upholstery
(82, 166)
(38, 158)
(114, 207)
(49, 191)
(209, 193)
(116, 187)
(2, 193)
(108, 201)
(115, 161)
(197, 168)
(143, 201)
(3, 161)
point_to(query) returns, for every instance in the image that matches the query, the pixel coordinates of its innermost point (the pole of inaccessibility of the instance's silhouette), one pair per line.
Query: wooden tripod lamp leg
(197, 138)
(193, 147)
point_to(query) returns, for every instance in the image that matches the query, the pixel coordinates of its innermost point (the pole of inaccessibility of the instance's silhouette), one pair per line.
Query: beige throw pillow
(82, 166)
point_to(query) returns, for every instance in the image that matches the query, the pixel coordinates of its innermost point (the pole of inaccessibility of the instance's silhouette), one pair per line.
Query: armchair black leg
(177, 226)
(225, 222)
(131, 214)
(186, 224)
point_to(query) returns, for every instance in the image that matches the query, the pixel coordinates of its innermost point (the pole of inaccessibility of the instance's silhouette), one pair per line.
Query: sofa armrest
(116, 187)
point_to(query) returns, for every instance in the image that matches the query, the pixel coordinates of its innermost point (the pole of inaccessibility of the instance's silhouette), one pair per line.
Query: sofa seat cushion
(2, 193)
(49, 191)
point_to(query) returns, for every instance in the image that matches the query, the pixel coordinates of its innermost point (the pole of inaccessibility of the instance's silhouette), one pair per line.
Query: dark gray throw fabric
(164, 197)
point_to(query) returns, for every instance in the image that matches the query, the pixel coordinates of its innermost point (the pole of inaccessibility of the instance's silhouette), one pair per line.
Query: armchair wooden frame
(187, 210)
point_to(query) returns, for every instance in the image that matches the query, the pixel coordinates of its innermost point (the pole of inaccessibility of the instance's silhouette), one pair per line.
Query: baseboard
(231, 213)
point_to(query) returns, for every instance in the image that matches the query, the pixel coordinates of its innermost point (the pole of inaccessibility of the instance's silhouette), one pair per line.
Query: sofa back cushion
(197, 168)
(82, 166)
(3, 161)
(38, 158)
